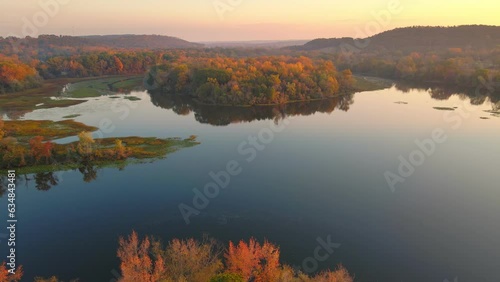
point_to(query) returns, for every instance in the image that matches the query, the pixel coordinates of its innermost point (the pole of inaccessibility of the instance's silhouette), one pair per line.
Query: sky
(237, 20)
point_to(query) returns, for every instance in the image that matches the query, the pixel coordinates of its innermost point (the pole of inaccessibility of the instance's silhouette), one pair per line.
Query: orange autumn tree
(191, 260)
(47, 150)
(137, 264)
(253, 261)
(5, 276)
(36, 146)
(40, 149)
(15, 75)
(339, 275)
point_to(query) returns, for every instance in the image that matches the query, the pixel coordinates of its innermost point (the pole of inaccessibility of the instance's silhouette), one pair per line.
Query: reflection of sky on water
(321, 176)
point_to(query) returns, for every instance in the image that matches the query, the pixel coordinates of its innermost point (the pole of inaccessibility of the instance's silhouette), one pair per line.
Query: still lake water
(322, 176)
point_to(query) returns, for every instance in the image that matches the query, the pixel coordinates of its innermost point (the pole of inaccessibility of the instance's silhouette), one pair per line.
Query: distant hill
(106, 41)
(255, 44)
(140, 41)
(419, 38)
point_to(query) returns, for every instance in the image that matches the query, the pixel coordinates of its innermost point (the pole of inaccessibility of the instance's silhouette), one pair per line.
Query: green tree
(227, 277)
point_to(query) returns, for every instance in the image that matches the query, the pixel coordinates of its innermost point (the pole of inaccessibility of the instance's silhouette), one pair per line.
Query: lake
(318, 173)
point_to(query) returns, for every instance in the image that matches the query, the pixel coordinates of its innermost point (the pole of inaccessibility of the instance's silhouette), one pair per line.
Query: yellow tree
(14, 153)
(120, 150)
(85, 146)
(339, 275)
(191, 260)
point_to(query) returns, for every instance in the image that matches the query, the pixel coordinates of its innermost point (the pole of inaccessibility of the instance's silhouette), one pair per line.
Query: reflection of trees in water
(89, 172)
(225, 115)
(12, 113)
(19, 180)
(475, 96)
(45, 180)
(3, 185)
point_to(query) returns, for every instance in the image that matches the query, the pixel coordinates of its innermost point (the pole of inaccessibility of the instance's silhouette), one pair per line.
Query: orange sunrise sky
(236, 20)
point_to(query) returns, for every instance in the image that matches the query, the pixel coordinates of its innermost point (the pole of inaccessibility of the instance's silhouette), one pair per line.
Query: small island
(258, 81)
(33, 149)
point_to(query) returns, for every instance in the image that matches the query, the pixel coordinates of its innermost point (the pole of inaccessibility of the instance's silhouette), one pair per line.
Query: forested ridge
(415, 39)
(464, 57)
(461, 56)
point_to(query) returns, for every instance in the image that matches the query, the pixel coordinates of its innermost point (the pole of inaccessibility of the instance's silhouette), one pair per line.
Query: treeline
(251, 81)
(45, 46)
(27, 70)
(148, 260)
(466, 69)
(99, 63)
(465, 57)
(208, 75)
(16, 75)
(414, 39)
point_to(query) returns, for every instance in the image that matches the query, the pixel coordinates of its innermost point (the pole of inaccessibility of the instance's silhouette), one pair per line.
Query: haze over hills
(255, 43)
(419, 38)
(131, 41)
(126, 41)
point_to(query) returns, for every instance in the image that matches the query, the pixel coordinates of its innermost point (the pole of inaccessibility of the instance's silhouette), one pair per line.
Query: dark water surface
(322, 176)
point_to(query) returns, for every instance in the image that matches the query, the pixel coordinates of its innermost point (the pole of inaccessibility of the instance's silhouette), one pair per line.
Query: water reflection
(89, 172)
(477, 96)
(225, 115)
(45, 180)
